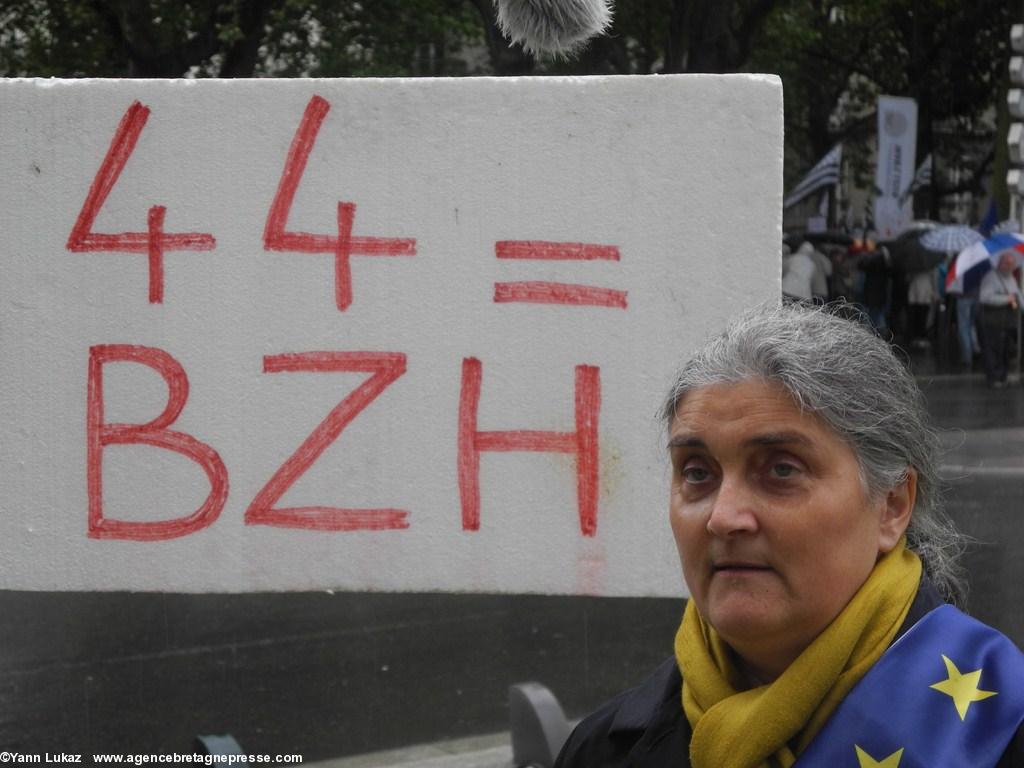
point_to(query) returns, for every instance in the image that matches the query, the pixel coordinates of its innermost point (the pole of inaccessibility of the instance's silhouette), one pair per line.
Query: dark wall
(311, 673)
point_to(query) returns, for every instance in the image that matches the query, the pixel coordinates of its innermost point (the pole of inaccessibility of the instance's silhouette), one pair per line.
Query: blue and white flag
(922, 178)
(824, 174)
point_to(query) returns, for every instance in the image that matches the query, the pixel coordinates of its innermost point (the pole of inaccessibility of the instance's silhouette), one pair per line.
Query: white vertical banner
(897, 146)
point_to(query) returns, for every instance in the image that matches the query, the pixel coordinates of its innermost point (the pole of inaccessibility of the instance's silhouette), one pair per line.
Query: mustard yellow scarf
(772, 724)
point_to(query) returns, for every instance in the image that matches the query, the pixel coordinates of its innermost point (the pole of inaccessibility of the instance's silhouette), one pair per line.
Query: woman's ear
(899, 506)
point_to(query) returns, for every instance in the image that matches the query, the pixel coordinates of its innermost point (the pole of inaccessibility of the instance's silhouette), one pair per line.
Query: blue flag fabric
(990, 220)
(950, 692)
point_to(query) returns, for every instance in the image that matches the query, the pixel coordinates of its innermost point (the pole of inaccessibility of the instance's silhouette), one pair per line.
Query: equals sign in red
(542, 292)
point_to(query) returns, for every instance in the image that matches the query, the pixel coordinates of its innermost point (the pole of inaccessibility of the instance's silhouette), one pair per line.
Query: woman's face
(774, 529)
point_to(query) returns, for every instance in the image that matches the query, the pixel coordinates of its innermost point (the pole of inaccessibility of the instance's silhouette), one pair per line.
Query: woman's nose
(734, 509)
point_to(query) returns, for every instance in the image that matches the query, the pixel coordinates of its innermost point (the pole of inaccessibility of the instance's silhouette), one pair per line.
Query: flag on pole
(869, 213)
(824, 174)
(922, 178)
(990, 220)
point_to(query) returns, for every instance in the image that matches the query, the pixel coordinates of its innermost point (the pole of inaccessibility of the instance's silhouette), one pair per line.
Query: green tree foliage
(135, 38)
(381, 38)
(236, 38)
(835, 59)
(341, 38)
(670, 36)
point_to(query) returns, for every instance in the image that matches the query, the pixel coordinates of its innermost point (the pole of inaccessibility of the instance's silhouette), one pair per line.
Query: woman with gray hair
(805, 507)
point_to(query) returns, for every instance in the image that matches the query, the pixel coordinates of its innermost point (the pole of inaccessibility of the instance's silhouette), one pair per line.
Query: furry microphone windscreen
(556, 27)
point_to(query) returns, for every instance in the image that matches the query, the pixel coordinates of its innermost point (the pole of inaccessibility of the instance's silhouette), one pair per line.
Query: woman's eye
(784, 470)
(696, 474)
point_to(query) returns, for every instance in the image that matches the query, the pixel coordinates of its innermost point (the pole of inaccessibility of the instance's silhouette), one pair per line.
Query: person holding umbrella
(1001, 303)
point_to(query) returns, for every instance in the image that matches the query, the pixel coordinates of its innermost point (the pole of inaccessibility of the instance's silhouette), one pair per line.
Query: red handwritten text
(547, 250)
(100, 434)
(386, 367)
(583, 442)
(345, 245)
(534, 292)
(154, 242)
(558, 293)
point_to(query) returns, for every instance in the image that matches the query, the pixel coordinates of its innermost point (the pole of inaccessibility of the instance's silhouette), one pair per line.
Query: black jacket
(646, 728)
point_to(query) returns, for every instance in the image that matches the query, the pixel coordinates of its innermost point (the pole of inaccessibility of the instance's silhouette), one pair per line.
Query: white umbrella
(951, 238)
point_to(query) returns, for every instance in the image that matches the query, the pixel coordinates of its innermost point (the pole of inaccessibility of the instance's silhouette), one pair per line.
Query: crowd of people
(963, 331)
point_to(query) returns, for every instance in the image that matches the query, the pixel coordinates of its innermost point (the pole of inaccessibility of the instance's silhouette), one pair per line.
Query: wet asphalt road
(328, 675)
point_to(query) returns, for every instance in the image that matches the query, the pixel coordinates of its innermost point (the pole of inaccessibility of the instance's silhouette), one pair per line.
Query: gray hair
(835, 367)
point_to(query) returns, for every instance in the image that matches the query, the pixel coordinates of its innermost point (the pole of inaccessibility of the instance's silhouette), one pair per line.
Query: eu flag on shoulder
(948, 694)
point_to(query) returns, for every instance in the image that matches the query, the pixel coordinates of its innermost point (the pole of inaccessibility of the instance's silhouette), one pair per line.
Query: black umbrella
(828, 237)
(909, 255)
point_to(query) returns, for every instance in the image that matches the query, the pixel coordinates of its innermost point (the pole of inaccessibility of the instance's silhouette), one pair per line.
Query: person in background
(804, 502)
(875, 294)
(922, 296)
(945, 329)
(967, 326)
(1001, 302)
(899, 312)
(822, 275)
(844, 274)
(798, 272)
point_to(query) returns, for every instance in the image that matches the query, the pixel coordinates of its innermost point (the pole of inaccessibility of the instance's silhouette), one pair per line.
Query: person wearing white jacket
(798, 273)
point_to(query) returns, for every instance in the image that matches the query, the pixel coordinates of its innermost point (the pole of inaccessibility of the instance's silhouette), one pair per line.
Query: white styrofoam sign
(364, 334)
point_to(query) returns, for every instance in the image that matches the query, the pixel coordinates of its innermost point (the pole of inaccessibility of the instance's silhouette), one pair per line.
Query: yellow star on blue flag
(867, 761)
(905, 704)
(961, 687)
